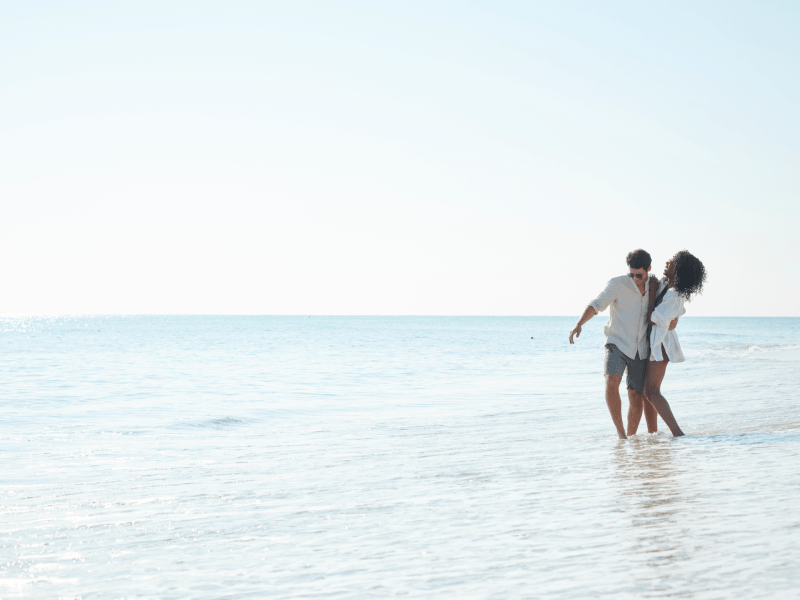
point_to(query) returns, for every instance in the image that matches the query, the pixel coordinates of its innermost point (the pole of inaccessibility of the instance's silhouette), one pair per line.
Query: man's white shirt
(626, 327)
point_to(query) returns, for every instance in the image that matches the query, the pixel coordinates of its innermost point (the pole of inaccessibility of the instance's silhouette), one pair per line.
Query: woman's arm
(669, 309)
(652, 300)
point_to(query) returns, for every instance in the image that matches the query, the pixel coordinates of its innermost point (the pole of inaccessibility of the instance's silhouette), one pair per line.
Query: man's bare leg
(652, 389)
(636, 401)
(614, 403)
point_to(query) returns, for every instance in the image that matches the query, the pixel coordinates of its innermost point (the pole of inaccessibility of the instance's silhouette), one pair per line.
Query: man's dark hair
(638, 259)
(690, 274)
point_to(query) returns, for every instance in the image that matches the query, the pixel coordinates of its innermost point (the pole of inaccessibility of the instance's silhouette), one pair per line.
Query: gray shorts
(616, 363)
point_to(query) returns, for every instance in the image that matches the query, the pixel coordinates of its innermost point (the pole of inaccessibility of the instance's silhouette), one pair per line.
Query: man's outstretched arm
(587, 314)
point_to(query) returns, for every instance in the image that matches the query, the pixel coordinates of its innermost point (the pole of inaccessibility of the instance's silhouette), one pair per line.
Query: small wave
(770, 351)
(214, 423)
(752, 438)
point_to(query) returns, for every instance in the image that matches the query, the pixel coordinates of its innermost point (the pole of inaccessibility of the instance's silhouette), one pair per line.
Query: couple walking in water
(641, 337)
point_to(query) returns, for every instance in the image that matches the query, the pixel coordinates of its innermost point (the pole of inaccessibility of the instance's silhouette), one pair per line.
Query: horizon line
(53, 315)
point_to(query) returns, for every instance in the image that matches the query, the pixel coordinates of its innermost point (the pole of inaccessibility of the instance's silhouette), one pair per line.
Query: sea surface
(359, 457)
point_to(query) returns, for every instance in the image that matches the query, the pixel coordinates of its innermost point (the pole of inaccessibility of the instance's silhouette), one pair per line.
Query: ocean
(357, 457)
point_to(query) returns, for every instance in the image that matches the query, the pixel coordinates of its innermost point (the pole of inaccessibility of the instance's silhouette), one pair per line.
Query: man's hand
(587, 314)
(673, 324)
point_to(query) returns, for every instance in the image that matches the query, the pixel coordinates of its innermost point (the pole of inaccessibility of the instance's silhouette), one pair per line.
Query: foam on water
(206, 457)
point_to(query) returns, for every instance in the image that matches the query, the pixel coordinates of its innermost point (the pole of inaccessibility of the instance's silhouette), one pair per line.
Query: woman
(684, 276)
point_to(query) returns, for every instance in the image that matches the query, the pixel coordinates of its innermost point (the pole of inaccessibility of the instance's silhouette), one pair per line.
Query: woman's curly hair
(690, 274)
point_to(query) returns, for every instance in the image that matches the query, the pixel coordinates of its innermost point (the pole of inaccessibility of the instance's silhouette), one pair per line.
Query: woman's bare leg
(637, 403)
(650, 416)
(652, 390)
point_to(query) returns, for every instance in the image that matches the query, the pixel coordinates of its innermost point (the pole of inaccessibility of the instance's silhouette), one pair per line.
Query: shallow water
(349, 457)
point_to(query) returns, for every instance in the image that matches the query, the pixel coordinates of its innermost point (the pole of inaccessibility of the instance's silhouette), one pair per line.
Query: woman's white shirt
(671, 307)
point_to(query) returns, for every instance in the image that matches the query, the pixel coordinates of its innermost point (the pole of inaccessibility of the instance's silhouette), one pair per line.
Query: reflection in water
(652, 491)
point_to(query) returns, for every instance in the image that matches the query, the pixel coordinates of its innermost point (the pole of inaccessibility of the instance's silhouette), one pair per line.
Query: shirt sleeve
(671, 308)
(606, 297)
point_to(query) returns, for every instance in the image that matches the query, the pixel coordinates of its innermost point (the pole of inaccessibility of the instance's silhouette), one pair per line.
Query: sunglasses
(637, 275)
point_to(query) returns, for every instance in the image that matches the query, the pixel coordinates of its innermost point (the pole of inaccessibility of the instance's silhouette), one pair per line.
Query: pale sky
(440, 158)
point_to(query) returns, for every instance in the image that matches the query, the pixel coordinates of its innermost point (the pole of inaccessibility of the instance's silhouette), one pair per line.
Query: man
(626, 341)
